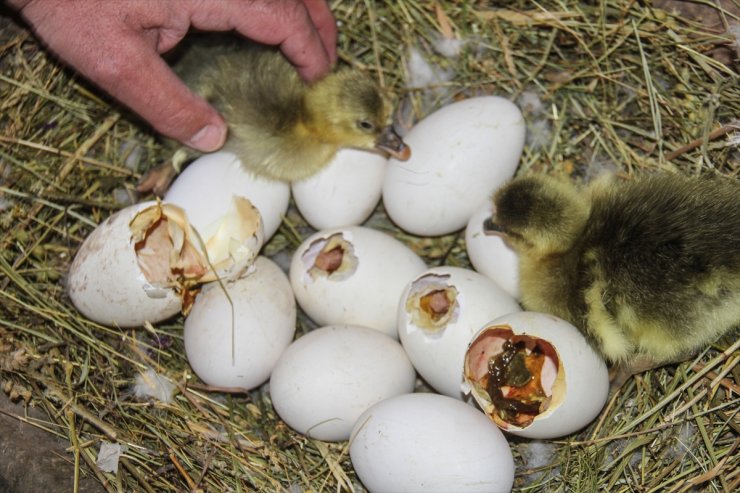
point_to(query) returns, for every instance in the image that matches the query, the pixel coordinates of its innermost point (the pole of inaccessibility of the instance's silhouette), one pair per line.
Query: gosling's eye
(365, 126)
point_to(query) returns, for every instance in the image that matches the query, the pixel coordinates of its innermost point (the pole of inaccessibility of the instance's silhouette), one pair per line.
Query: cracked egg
(353, 276)
(146, 263)
(535, 375)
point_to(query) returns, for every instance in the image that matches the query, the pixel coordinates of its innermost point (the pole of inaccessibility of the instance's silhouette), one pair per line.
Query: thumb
(139, 78)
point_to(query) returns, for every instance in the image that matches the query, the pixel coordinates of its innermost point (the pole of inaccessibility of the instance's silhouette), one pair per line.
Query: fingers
(287, 23)
(325, 24)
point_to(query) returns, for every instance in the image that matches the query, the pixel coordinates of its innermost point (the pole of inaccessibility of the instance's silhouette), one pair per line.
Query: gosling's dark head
(539, 214)
(347, 108)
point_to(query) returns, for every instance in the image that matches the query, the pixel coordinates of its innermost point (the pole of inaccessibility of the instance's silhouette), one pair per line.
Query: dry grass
(605, 85)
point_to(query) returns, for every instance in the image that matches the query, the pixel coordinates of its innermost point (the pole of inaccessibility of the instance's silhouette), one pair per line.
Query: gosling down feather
(649, 270)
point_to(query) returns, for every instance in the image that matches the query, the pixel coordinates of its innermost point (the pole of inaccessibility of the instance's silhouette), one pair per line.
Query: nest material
(624, 86)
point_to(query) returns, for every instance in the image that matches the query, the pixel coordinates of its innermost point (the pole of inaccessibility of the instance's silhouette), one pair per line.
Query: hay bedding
(623, 86)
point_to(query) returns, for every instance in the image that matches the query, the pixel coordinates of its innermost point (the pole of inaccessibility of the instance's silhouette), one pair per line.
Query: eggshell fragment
(106, 284)
(439, 313)
(206, 186)
(235, 341)
(461, 154)
(328, 377)
(430, 443)
(552, 383)
(490, 255)
(343, 194)
(353, 276)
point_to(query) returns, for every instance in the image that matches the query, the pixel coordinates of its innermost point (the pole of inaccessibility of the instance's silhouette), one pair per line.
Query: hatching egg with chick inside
(439, 313)
(490, 255)
(237, 330)
(461, 153)
(431, 443)
(354, 276)
(328, 377)
(206, 187)
(343, 194)
(535, 375)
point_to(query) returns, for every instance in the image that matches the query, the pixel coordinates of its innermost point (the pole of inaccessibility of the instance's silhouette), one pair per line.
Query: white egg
(439, 313)
(353, 276)
(490, 255)
(206, 186)
(549, 377)
(106, 284)
(235, 341)
(343, 194)
(430, 443)
(328, 377)
(459, 155)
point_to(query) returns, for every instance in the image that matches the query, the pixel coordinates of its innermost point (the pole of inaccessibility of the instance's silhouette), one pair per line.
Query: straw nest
(624, 86)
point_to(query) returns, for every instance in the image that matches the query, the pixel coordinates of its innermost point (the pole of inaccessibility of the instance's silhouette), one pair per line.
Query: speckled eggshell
(264, 317)
(328, 377)
(490, 255)
(439, 356)
(366, 296)
(343, 194)
(430, 443)
(206, 186)
(459, 155)
(586, 378)
(105, 283)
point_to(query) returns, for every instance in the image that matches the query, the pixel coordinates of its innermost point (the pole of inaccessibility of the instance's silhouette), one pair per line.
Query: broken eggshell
(535, 375)
(235, 339)
(353, 276)
(344, 193)
(439, 313)
(106, 284)
(145, 263)
(206, 187)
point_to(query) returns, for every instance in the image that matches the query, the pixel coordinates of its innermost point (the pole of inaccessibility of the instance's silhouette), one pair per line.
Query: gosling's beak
(392, 143)
(491, 228)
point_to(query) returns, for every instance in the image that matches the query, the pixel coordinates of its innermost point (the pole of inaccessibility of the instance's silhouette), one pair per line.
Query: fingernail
(209, 138)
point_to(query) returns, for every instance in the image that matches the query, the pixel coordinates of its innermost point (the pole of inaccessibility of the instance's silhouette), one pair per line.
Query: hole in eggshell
(332, 257)
(432, 303)
(514, 377)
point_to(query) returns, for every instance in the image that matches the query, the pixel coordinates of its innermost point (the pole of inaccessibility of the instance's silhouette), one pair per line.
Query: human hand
(117, 46)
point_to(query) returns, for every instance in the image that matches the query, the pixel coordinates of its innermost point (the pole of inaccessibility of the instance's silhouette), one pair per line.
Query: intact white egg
(490, 255)
(106, 284)
(328, 377)
(353, 276)
(343, 194)
(439, 313)
(535, 375)
(235, 340)
(206, 186)
(460, 155)
(430, 443)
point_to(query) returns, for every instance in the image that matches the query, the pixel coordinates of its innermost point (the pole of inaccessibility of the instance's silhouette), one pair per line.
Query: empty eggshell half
(490, 255)
(535, 375)
(206, 186)
(353, 276)
(439, 313)
(343, 194)
(461, 154)
(235, 340)
(429, 443)
(328, 377)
